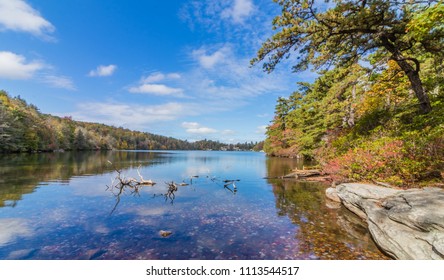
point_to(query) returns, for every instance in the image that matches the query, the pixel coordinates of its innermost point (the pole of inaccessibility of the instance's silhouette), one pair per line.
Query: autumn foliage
(375, 112)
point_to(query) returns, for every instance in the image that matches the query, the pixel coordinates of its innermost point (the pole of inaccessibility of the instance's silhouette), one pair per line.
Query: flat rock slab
(406, 224)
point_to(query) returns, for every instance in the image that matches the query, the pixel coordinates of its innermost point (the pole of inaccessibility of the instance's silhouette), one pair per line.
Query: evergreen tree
(344, 32)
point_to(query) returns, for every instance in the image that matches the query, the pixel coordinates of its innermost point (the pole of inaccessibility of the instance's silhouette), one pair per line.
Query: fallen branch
(143, 181)
(122, 183)
(306, 175)
(172, 188)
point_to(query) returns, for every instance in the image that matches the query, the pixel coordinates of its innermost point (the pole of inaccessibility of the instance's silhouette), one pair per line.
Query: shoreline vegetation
(23, 128)
(375, 111)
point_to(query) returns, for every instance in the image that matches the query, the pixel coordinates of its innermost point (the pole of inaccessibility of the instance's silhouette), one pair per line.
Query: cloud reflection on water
(12, 228)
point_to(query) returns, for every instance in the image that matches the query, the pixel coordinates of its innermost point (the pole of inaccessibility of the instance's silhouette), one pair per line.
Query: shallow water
(64, 206)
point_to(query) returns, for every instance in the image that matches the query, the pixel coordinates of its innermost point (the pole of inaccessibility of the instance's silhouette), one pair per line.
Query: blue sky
(174, 68)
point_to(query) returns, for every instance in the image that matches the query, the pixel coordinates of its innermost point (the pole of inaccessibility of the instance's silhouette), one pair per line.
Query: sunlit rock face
(406, 224)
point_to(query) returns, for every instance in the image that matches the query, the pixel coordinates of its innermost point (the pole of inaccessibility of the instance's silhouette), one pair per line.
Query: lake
(67, 206)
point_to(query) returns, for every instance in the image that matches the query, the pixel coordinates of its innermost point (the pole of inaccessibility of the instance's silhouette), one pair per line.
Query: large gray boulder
(405, 224)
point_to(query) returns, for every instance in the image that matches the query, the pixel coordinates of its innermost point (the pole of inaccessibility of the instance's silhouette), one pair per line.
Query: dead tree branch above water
(131, 182)
(120, 184)
(172, 188)
(143, 181)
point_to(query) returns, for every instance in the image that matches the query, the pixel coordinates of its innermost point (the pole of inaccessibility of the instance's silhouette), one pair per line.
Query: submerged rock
(165, 233)
(405, 224)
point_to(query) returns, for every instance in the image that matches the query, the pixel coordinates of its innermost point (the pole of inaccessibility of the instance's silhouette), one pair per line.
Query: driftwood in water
(121, 183)
(143, 181)
(301, 174)
(129, 181)
(172, 189)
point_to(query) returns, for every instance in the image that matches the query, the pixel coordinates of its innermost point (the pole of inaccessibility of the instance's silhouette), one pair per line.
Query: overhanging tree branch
(350, 30)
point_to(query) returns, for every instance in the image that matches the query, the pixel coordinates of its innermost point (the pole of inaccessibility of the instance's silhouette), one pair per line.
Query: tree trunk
(416, 83)
(351, 116)
(412, 73)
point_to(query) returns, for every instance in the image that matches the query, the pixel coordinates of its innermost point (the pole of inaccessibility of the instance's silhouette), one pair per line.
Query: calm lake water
(61, 206)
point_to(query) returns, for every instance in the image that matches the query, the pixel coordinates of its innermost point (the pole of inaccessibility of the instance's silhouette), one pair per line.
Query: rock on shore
(405, 224)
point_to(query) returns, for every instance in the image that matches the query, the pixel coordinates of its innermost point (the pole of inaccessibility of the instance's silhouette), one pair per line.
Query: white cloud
(208, 61)
(231, 82)
(103, 71)
(130, 115)
(59, 82)
(196, 128)
(174, 76)
(240, 10)
(15, 67)
(157, 89)
(228, 132)
(158, 76)
(217, 15)
(265, 115)
(201, 130)
(150, 85)
(261, 129)
(206, 13)
(17, 15)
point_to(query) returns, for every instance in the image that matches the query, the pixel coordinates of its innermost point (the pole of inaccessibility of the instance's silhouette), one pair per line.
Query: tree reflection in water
(326, 230)
(22, 173)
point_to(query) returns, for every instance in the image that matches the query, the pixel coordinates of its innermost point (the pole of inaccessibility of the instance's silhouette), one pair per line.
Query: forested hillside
(376, 110)
(24, 129)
